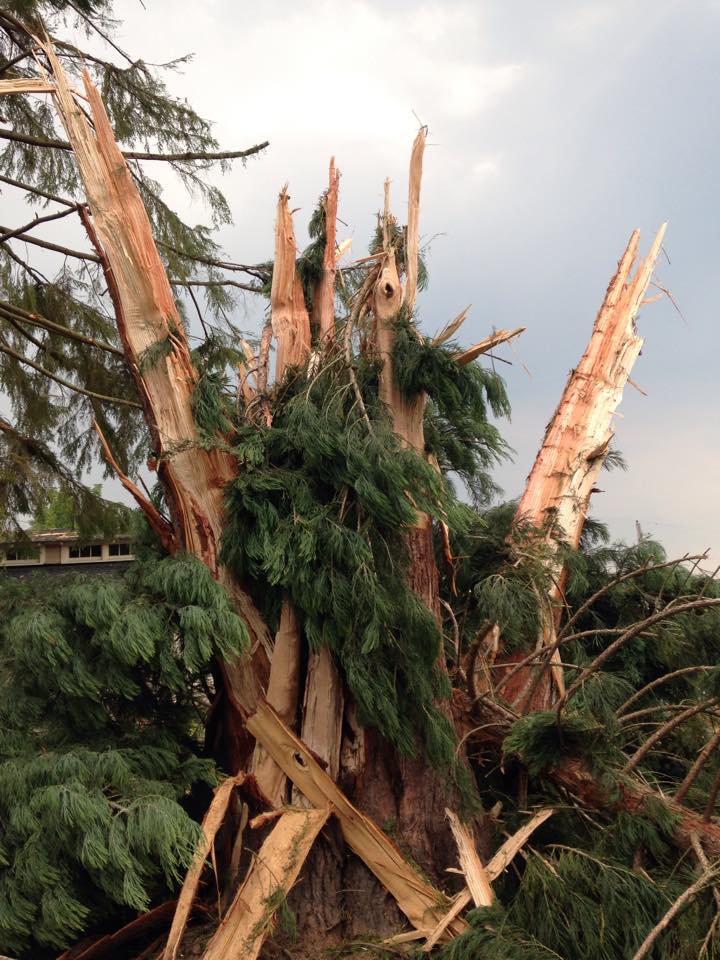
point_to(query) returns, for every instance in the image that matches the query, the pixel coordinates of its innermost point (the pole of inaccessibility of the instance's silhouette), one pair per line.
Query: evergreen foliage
(51, 437)
(317, 514)
(101, 704)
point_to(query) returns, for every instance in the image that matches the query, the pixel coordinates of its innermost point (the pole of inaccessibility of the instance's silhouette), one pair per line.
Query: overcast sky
(556, 128)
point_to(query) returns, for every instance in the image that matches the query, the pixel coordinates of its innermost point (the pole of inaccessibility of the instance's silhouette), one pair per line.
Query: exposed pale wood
(577, 439)
(26, 85)
(323, 712)
(484, 346)
(282, 695)
(192, 477)
(450, 328)
(503, 857)
(461, 901)
(500, 860)
(387, 298)
(290, 320)
(324, 302)
(470, 862)
(273, 872)
(161, 527)
(413, 225)
(421, 903)
(407, 937)
(212, 821)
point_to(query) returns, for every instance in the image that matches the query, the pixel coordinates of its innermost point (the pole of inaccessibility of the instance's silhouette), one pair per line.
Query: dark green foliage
(568, 905)
(542, 740)
(457, 427)
(99, 707)
(317, 513)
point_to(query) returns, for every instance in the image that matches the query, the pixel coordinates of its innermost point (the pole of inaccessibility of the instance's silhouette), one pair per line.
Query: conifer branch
(30, 188)
(259, 271)
(55, 247)
(666, 728)
(19, 231)
(692, 891)
(4, 348)
(40, 321)
(697, 766)
(635, 630)
(251, 288)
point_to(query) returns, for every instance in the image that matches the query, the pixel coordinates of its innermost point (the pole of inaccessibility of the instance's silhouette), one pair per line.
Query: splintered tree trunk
(324, 301)
(158, 356)
(290, 320)
(577, 439)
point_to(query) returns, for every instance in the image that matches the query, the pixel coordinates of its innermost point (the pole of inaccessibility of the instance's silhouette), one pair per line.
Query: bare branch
(184, 157)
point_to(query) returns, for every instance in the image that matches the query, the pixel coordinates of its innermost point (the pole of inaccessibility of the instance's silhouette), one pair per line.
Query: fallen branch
(494, 340)
(212, 821)
(681, 902)
(273, 872)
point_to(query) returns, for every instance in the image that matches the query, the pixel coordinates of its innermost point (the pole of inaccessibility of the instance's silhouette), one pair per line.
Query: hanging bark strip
(282, 695)
(324, 304)
(558, 490)
(158, 355)
(212, 821)
(290, 320)
(272, 873)
(421, 903)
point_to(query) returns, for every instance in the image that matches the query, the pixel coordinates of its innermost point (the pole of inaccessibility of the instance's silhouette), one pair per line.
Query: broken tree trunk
(157, 353)
(577, 439)
(290, 320)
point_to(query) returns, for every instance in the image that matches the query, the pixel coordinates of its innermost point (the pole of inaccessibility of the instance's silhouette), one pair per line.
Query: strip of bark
(471, 865)
(212, 821)
(161, 527)
(282, 695)
(273, 872)
(323, 710)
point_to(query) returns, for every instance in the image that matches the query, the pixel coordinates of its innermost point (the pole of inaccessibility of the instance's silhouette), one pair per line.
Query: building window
(91, 550)
(22, 553)
(119, 550)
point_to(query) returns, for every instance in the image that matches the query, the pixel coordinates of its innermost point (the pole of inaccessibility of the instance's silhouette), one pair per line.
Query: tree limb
(187, 156)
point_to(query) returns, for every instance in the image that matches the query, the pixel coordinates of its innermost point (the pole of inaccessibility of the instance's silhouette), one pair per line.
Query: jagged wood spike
(290, 320)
